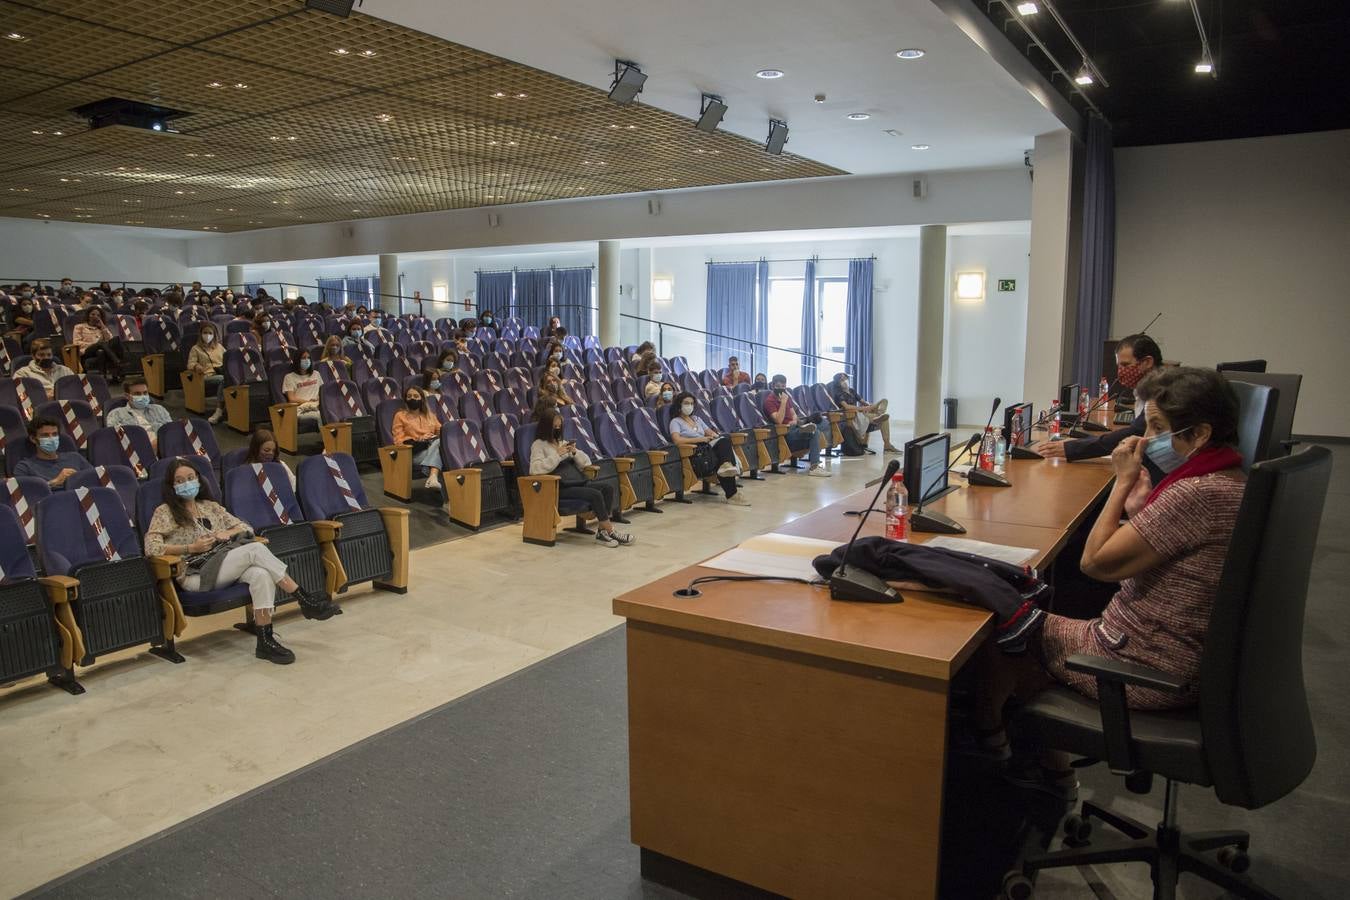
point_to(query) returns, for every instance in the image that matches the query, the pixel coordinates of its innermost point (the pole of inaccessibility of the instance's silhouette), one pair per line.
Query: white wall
(986, 340)
(1244, 246)
(32, 249)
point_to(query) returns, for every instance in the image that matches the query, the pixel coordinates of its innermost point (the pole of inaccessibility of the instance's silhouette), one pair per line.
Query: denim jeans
(797, 439)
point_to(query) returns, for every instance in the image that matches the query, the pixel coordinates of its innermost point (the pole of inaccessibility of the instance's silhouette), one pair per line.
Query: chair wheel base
(1017, 886)
(167, 652)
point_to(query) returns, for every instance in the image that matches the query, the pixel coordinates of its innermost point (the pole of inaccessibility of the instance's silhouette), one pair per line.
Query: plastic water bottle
(1084, 401)
(1000, 453)
(1054, 420)
(897, 510)
(1103, 389)
(987, 449)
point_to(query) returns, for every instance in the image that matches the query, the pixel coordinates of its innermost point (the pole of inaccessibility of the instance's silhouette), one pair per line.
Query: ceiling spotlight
(214, 84)
(778, 135)
(340, 8)
(859, 117)
(384, 117)
(1083, 78)
(910, 53)
(918, 146)
(522, 96)
(628, 82)
(769, 74)
(711, 111)
(15, 36)
(1204, 67)
(341, 51)
(1027, 9)
(369, 54)
(499, 94)
(241, 86)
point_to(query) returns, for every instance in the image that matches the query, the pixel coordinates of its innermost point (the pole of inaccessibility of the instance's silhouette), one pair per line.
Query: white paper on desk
(1017, 556)
(773, 555)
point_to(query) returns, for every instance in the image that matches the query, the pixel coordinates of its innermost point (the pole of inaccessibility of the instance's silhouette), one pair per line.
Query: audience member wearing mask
(140, 411)
(332, 352)
(417, 426)
(780, 410)
(861, 416)
(49, 463)
(734, 374)
(207, 359)
(262, 448)
(1136, 356)
(550, 454)
(19, 318)
(301, 385)
(44, 366)
(98, 346)
(688, 429)
(353, 340)
(659, 393)
(761, 382)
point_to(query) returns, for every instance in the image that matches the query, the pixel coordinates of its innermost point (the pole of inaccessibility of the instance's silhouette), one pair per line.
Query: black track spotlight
(628, 82)
(340, 8)
(711, 113)
(778, 135)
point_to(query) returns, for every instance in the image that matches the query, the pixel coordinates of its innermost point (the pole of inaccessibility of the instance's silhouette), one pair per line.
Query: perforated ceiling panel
(296, 116)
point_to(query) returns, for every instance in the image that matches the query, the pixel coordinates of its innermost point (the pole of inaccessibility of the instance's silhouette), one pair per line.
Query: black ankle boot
(270, 649)
(316, 606)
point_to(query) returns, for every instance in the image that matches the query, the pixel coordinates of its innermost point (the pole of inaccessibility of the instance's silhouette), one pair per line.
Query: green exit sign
(1007, 284)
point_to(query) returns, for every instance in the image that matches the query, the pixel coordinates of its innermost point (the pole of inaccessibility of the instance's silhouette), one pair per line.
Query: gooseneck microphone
(1112, 392)
(937, 523)
(979, 476)
(857, 584)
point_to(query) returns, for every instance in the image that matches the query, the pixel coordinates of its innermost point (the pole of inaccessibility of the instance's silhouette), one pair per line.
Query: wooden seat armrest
(591, 471)
(390, 513)
(60, 588)
(737, 438)
(685, 450)
(761, 434)
(657, 456)
(543, 479)
(326, 530)
(166, 567)
(623, 463)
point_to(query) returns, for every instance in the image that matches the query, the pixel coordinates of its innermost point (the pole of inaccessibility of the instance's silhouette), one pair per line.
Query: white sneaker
(218, 416)
(728, 470)
(809, 428)
(819, 472)
(738, 499)
(433, 481)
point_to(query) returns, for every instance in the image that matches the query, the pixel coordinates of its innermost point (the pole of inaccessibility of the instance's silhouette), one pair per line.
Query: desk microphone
(976, 475)
(858, 584)
(937, 523)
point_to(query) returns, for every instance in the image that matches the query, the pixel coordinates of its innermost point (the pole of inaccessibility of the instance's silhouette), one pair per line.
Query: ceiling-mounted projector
(129, 114)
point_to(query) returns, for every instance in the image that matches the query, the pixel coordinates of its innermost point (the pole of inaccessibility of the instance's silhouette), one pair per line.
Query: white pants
(252, 564)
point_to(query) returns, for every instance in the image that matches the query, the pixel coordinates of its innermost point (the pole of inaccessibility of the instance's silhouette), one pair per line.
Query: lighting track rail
(1053, 60)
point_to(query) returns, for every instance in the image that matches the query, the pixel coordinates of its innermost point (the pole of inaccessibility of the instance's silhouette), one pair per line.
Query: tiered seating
(368, 544)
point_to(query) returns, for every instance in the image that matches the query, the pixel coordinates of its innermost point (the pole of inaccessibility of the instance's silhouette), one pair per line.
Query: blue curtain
(358, 290)
(1096, 277)
(858, 340)
(809, 323)
(495, 292)
(572, 299)
(332, 291)
(251, 288)
(534, 301)
(730, 317)
(759, 360)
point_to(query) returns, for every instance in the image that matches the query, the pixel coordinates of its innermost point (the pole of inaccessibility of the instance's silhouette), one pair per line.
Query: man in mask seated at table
(1136, 356)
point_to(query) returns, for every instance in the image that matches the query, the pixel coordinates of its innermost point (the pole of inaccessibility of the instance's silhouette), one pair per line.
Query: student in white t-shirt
(301, 385)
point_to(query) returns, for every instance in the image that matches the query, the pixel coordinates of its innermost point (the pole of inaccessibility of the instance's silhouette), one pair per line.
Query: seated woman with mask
(419, 427)
(687, 429)
(550, 454)
(1168, 558)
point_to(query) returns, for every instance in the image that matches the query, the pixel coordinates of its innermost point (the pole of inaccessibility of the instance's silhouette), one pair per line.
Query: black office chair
(1243, 365)
(1282, 432)
(1256, 421)
(1251, 736)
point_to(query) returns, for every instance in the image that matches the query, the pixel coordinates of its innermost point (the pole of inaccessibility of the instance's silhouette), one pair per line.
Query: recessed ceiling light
(83, 216)
(384, 117)
(522, 96)
(291, 137)
(44, 215)
(499, 94)
(1027, 9)
(765, 169)
(214, 84)
(918, 146)
(769, 74)
(241, 86)
(369, 54)
(20, 190)
(38, 131)
(275, 137)
(859, 117)
(341, 51)
(16, 36)
(71, 180)
(58, 133)
(910, 53)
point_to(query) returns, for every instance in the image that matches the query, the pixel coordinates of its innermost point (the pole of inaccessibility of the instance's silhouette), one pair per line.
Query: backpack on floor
(851, 446)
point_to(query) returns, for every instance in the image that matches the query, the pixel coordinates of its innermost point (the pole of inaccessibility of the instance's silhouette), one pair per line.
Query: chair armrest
(1112, 678)
(1104, 669)
(657, 456)
(60, 588)
(761, 434)
(623, 463)
(591, 471)
(326, 530)
(166, 567)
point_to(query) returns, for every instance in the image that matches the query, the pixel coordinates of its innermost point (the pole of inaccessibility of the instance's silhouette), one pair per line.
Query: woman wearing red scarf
(1168, 558)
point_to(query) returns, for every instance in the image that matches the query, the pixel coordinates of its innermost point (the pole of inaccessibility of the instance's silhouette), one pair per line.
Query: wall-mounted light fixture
(440, 292)
(292, 293)
(970, 286)
(663, 288)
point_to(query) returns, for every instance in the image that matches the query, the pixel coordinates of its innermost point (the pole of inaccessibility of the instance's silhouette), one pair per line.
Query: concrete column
(608, 293)
(234, 278)
(1052, 287)
(389, 283)
(932, 312)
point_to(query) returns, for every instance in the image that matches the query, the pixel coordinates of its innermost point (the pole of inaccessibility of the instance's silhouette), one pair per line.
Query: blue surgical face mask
(435, 384)
(666, 395)
(49, 444)
(687, 408)
(1160, 451)
(141, 401)
(305, 364)
(187, 489)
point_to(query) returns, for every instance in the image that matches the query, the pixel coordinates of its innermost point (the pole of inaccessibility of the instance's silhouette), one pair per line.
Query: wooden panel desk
(798, 744)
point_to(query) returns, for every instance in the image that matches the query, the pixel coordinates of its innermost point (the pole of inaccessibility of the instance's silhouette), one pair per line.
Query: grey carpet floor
(521, 790)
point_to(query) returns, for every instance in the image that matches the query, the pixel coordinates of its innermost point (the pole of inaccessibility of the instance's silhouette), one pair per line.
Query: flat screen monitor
(926, 467)
(1068, 398)
(1017, 421)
